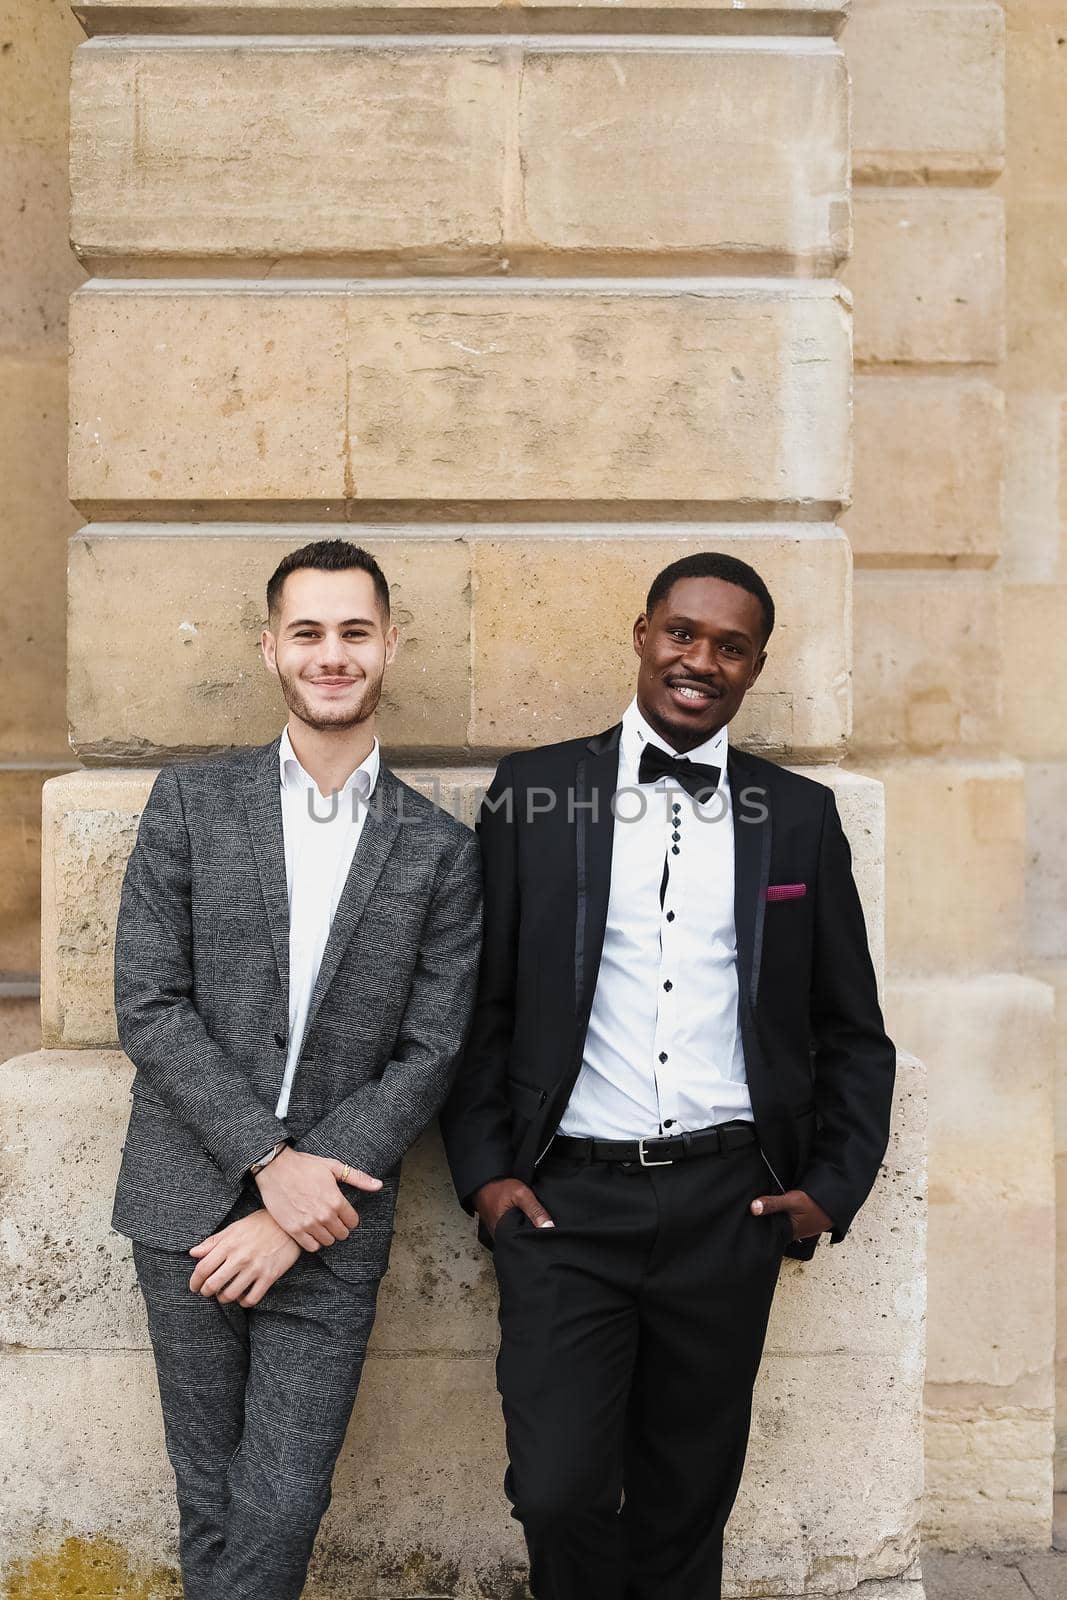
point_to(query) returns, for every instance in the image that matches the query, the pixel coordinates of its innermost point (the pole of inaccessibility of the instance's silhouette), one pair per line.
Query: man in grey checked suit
(295, 964)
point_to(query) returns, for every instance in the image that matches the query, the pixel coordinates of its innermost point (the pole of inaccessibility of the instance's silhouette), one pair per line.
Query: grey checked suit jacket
(201, 995)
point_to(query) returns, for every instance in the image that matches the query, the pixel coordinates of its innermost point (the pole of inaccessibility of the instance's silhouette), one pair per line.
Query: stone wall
(531, 298)
(959, 665)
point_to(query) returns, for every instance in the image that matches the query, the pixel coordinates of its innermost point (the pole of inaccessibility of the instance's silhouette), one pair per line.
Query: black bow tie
(696, 778)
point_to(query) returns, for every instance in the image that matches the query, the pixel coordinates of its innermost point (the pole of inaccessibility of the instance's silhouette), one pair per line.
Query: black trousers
(255, 1407)
(631, 1335)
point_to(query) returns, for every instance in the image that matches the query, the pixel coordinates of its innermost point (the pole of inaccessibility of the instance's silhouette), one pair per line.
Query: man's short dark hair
(712, 564)
(327, 555)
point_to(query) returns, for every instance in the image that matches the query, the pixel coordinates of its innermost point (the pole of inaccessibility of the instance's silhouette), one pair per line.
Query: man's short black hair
(712, 564)
(327, 555)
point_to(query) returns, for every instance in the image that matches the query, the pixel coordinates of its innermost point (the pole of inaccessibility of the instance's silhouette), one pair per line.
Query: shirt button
(668, 986)
(670, 916)
(663, 1055)
(674, 850)
(669, 1122)
(676, 837)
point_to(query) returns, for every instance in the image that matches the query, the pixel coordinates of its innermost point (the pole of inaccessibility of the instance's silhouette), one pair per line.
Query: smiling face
(329, 645)
(701, 650)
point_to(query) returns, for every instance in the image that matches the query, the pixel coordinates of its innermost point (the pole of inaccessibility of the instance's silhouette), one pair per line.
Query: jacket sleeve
(854, 1060)
(159, 1026)
(374, 1127)
(476, 1119)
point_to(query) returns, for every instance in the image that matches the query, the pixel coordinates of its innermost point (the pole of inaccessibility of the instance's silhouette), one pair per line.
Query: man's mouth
(332, 683)
(692, 694)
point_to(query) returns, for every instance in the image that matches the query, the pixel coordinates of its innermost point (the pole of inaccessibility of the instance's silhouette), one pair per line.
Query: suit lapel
(263, 804)
(380, 828)
(750, 802)
(596, 779)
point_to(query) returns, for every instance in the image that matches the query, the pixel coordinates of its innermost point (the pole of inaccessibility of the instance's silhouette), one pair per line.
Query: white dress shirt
(663, 1053)
(321, 834)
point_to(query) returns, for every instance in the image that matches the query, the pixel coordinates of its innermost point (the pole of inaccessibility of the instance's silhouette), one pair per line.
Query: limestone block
(928, 93)
(527, 692)
(32, 75)
(801, 17)
(927, 270)
(447, 156)
(1046, 860)
(1035, 666)
(35, 520)
(703, 392)
(1036, 263)
(407, 1520)
(929, 662)
(20, 1018)
(195, 604)
(20, 862)
(1033, 525)
(988, 1044)
(929, 471)
(955, 834)
(481, 612)
(90, 822)
(37, 269)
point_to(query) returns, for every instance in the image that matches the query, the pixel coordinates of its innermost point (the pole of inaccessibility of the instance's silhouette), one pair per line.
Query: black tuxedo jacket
(819, 1065)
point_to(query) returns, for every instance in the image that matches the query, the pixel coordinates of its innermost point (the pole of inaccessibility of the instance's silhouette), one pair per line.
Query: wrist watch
(264, 1161)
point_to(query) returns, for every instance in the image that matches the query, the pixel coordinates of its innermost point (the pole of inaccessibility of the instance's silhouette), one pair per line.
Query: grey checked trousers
(255, 1407)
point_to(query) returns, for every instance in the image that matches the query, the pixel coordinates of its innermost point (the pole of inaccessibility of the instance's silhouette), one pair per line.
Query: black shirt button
(279, 1040)
(668, 986)
(663, 1055)
(670, 916)
(674, 850)
(669, 1122)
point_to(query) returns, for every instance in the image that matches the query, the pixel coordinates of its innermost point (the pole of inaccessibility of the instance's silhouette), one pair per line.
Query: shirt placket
(669, 795)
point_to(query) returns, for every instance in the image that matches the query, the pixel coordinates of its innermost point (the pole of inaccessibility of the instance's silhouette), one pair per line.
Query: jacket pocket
(526, 1098)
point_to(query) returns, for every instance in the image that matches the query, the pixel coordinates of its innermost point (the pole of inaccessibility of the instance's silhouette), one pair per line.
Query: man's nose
(700, 659)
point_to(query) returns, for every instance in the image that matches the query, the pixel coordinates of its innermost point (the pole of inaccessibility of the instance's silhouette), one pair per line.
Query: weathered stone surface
(194, 603)
(1033, 526)
(988, 1044)
(446, 156)
(1035, 662)
(687, 391)
(929, 662)
(955, 841)
(20, 862)
(929, 471)
(927, 271)
(20, 1019)
(449, 16)
(481, 611)
(1046, 861)
(35, 520)
(91, 819)
(406, 1520)
(37, 269)
(928, 92)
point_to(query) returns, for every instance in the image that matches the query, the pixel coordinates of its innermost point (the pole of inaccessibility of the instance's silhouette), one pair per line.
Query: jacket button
(279, 1040)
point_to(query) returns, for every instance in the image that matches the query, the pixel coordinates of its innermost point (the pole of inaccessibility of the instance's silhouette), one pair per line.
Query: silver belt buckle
(645, 1162)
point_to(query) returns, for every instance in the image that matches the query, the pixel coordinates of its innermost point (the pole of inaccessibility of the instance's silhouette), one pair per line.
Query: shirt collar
(636, 733)
(293, 775)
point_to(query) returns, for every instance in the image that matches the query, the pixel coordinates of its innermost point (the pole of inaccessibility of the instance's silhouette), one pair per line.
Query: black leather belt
(656, 1152)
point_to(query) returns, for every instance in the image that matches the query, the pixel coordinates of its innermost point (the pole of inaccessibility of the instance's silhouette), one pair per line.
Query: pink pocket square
(786, 891)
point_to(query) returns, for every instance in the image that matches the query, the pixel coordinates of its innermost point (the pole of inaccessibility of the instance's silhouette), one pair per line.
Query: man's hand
(302, 1195)
(241, 1262)
(503, 1194)
(807, 1217)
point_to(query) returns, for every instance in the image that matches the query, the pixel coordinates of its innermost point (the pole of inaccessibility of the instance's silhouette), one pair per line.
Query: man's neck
(329, 756)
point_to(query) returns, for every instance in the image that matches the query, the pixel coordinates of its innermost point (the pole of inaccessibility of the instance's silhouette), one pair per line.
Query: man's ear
(392, 639)
(268, 650)
(758, 668)
(640, 633)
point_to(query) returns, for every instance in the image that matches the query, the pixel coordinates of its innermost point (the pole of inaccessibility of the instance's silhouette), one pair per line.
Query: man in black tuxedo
(677, 1073)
